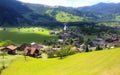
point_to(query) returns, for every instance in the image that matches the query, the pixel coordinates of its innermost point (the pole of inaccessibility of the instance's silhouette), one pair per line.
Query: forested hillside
(15, 13)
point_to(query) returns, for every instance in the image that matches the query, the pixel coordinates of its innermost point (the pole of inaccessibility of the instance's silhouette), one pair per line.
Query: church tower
(65, 27)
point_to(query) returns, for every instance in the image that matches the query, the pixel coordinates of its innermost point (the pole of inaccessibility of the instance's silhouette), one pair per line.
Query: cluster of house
(65, 36)
(70, 37)
(112, 42)
(35, 49)
(31, 50)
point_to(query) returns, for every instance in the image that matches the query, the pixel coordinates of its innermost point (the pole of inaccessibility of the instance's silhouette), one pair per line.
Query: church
(65, 27)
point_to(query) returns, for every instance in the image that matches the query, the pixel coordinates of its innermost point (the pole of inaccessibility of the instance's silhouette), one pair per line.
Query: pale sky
(69, 3)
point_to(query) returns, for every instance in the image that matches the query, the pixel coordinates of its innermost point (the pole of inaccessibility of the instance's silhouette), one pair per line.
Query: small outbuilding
(11, 49)
(2, 48)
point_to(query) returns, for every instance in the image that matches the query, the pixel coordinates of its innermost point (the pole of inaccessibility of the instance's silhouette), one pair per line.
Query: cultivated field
(104, 62)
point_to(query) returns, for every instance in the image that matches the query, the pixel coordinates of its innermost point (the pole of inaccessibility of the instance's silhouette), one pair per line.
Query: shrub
(98, 47)
(51, 54)
(87, 49)
(6, 43)
(65, 51)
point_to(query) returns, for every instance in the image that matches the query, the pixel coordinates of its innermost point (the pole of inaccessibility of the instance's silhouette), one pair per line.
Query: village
(71, 40)
(59, 37)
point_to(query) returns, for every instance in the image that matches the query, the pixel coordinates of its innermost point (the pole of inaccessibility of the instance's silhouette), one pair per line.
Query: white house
(60, 40)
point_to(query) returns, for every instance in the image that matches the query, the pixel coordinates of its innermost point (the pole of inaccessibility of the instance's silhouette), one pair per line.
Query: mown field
(26, 35)
(104, 62)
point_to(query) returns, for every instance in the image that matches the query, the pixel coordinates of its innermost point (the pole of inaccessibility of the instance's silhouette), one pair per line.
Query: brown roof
(26, 50)
(32, 50)
(11, 47)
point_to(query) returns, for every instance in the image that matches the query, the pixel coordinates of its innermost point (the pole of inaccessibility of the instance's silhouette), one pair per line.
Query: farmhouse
(22, 47)
(33, 50)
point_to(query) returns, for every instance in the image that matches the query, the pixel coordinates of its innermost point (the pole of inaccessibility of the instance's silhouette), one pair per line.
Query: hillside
(102, 11)
(15, 13)
(105, 62)
(11, 13)
(34, 14)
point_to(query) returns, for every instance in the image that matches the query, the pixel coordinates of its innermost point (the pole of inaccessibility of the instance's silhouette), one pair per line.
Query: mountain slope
(17, 13)
(10, 16)
(36, 14)
(68, 14)
(102, 11)
(105, 62)
(11, 13)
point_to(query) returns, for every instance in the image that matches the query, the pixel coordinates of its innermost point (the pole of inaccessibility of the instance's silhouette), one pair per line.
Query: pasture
(7, 61)
(26, 35)
(104, 62)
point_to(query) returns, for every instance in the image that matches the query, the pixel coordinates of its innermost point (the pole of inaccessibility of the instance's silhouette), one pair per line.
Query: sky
(69, 3)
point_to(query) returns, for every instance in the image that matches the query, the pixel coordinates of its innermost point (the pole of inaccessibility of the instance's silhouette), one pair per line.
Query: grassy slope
(66, 17)
(26, 35)
(7, 61)
(93, 63)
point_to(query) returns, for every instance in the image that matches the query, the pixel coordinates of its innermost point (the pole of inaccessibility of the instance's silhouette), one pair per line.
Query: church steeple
(65, 27)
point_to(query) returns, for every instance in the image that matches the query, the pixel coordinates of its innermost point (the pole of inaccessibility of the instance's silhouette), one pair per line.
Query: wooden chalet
(33, 50)
(11, 49)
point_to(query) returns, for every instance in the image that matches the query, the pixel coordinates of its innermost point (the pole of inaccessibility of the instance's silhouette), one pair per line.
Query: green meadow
(104, 62)
(26, 35)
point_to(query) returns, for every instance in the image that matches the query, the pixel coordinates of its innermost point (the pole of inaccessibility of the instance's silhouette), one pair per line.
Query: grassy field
(106, 62)
(26, 35)
(7, 61)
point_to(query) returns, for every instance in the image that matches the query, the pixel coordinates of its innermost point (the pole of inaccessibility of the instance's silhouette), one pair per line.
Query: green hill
(105, 62)
(65, 17)
(15, 13)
